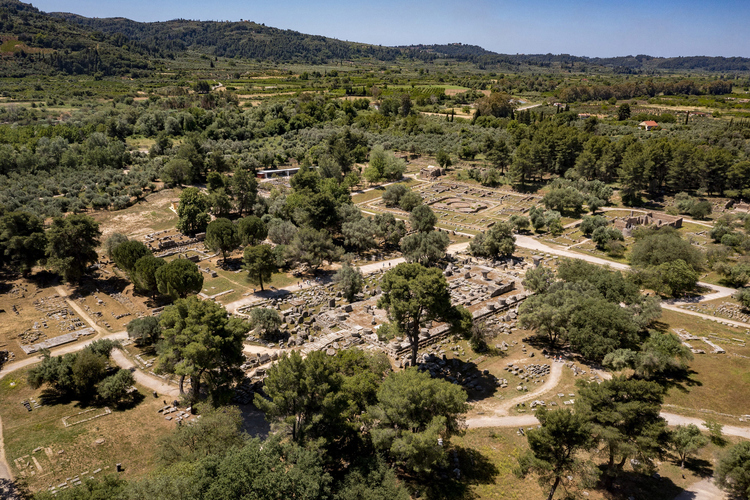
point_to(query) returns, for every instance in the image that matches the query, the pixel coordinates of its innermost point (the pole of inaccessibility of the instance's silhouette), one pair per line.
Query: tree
(260, 264)
(22, 241)
(623, 111)
(677, 277)
(191, 212)
(114, 388)
(498, 241)
(733, 471)
(415, 417)
(202, 343)
(87, 370)
(350, 280)
(743, 297)
(520, 223)
(313, 246)
(127, 254)
(554, 446)
(222, 235)
(393, 193)
(359, 234)
(701, 210)
(299, 391)
(662, 355)
(113, 241)
(409, 201)
(144, 274)
(384, 166)
(179, 278)
(71, 245)
(425, 248)
(604, 236)
(252, 230)
(497, 104)
(591, 223)
(423, 219)
(624, 416)
(562, 198)
(443, 158)
(654, 247)
(217, 431)
(281, 232)
(412, 295)
(176, 172)
(265, 319)
(145, 331)
(539, 279)
(244, 189)
(685, 440)
(549, 313)
(389, 228)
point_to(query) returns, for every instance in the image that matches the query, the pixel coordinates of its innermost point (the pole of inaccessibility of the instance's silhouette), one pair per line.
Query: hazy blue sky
(579, 27)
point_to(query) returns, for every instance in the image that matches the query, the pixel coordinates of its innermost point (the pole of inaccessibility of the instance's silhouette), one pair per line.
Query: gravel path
(702, 490)
(149, 381)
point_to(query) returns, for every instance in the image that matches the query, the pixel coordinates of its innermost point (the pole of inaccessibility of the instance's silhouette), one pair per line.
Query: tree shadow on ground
(679, 380)
(629, 484)
(134, 399)
(455, 481)
(44, 279)
(11, 490)
(101, 284)
(254, 421)
(697, 466)
(479, 384)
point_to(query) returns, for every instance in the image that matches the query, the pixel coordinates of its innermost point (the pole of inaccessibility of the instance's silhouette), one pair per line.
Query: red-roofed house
(648, 125)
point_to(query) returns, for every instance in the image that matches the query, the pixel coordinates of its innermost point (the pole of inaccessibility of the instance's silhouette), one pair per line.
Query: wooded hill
(36, 42)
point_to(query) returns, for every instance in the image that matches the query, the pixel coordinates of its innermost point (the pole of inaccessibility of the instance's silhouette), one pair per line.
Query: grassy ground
(719, 382)
(64, 452)
(494, 453)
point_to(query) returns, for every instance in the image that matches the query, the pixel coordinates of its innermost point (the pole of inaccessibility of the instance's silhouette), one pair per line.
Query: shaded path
(704, 489)
(146, 380)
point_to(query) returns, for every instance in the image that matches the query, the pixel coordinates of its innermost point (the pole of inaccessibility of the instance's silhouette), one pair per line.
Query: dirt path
(551, 383)
(705, 316)
(671, 418)
(4, 467)
(146, 380)
(17, 365)
(702, 490)
(64, 293)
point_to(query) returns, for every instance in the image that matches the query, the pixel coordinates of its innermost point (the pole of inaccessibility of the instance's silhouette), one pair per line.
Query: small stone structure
(627, 224)
(431, 172)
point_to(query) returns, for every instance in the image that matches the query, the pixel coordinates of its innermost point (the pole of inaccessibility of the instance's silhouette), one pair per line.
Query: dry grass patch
(49, 453)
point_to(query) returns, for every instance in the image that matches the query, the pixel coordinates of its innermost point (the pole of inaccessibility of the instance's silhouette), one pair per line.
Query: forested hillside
(34, 43)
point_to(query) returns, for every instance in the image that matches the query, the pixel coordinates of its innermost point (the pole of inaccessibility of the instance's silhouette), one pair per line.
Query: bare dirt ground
(143, 218)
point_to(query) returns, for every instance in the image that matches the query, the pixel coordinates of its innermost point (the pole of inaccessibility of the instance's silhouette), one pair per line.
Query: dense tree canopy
(202, 344)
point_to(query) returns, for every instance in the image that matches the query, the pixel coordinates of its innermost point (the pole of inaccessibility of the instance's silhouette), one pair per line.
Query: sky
(594, 28)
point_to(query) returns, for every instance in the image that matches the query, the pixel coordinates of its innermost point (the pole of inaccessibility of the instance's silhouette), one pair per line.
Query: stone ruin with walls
(319, 319)
(627, 224)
